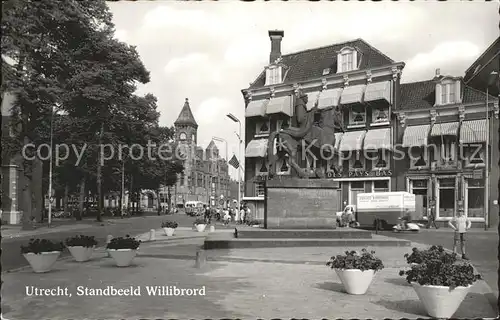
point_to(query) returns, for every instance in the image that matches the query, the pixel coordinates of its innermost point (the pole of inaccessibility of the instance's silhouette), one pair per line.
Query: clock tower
(186, 135)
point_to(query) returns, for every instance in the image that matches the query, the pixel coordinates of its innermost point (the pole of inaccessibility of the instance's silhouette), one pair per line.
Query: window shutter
(438, 95)
(355, 59)
(339, 62)
(458, 94)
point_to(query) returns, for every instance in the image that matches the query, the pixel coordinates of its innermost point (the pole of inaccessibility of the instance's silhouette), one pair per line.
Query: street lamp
(232, 117)
(50, 165)
(493, 77)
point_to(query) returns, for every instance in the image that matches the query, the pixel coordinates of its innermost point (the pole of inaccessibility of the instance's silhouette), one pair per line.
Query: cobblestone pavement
(242, 283)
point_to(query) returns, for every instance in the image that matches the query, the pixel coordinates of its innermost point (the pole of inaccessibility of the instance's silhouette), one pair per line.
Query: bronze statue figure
(317, 134)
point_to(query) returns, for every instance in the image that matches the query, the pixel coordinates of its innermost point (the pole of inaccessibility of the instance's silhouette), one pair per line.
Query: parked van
(384, 208)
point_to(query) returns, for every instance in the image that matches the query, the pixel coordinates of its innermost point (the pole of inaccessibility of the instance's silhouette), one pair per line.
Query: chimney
(438, 73)
(275, 37)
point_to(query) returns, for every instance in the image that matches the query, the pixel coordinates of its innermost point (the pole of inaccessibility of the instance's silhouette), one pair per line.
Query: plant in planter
(169, 227)
(81, 247)
(41, 254)
(200, 224)
(356, 270)
(435, 252)
(441, 283)
(123, 250)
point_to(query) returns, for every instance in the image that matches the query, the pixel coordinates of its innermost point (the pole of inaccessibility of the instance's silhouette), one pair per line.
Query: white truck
(384, 208)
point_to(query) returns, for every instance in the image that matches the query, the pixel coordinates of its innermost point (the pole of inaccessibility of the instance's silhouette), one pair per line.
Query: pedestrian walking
(207, 213)
(248, 214)
(227, 217)
(460, 224)
(431, 218)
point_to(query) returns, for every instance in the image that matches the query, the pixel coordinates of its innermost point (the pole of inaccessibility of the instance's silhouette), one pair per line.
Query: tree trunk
(99, 175)
(81, 202)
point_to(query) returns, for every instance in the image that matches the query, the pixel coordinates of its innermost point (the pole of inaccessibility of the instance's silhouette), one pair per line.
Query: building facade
(443, 132)
(206, 174)
(352, 78)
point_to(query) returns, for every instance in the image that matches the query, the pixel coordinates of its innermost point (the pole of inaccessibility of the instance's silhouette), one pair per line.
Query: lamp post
(227, 159)
(50, 165)
(232, 117)
(493, 76)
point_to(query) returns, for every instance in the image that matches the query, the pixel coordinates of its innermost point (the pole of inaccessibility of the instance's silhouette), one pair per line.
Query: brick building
(354, 76)
(442, 133)
(206, 174)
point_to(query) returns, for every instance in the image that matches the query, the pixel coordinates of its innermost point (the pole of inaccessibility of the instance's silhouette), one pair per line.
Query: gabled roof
(212, 145)
(309, 64)
(186, 116)
(481, 62)
(422, 95)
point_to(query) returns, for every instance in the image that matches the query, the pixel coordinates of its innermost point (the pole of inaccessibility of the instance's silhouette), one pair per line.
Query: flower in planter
(199, 221)
(169, 224)
(441, 272)
(123, 243)
(81, 241)
(433, 253)
(38, 246)
(353, 260)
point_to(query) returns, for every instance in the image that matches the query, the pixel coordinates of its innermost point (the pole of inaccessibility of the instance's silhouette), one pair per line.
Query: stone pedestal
(301, 204)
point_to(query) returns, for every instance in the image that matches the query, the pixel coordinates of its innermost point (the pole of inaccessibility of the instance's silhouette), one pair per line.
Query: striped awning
(416, 136)
(352, 94)
(378, 91)
(352, 141)
(378, 139)
(445, 129)
(329, 98)
(280, 105)
(256, 148)
(256, 108)
(473, 131)
(338, 139)
(312, 98)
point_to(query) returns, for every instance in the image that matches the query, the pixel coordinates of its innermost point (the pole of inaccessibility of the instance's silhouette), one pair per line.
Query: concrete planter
(42, 262)
(212, 229)
(81, 254)
(440, 301)
(355, 281)
(169, 231)
(122, 257)
(201, 227)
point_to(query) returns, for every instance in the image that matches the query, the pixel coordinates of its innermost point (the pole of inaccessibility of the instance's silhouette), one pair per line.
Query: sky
(209, 51)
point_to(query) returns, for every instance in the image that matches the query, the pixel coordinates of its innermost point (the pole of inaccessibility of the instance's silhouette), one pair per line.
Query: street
(11, 248)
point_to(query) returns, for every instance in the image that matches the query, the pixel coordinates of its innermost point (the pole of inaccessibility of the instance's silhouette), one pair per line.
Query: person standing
(432, 218)
(460, 224)
(207, 213)
(243, 211)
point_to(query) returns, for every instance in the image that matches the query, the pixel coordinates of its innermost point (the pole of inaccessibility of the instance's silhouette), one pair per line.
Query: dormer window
(448, 92)
(347, 60)
(273, 75)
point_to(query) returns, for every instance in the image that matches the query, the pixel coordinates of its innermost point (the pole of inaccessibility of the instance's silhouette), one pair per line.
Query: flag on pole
(234, 162)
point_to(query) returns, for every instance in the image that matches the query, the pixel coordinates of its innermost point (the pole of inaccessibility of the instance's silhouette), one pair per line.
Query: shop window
(263, 127)
(357, 115)
(311, 162)
(475, 198)
(357, 185)
(380, 160)
(381, 186)
(446, 198)
(261, 167)
(419, 189)
(357, 162)
(380, 115)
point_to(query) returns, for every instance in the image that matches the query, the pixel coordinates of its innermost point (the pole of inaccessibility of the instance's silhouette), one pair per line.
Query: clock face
(183, 136)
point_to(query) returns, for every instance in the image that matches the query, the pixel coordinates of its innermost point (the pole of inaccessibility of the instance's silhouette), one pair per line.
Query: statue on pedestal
(309, 132)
